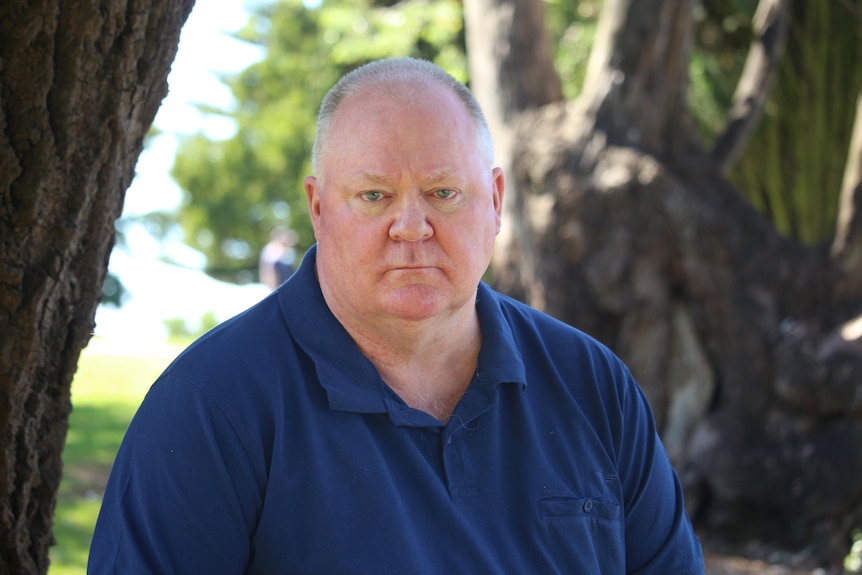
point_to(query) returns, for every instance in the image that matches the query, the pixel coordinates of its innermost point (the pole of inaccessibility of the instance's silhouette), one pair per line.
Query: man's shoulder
(542, 339)
(256, 337)
(526, 320)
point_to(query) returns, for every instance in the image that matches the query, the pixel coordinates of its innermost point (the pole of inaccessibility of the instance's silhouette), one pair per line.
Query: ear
(312, 196)
(499, 184)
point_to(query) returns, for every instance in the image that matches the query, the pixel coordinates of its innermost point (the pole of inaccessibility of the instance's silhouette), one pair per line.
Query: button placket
(457, 465)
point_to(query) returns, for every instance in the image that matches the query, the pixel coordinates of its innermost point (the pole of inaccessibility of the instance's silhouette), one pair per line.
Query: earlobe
(499, 183)
(311, 196)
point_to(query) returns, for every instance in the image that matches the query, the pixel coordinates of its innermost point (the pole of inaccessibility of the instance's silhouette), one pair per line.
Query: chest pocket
(562, 507)
(584, 533)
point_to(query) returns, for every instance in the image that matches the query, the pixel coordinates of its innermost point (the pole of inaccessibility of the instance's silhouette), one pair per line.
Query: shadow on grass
(95, 433)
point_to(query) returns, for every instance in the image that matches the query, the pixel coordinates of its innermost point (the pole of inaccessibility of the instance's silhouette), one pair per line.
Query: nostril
(411, 227)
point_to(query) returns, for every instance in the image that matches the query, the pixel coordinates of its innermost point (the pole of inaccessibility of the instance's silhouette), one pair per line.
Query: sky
(156, 290)
(206, 49)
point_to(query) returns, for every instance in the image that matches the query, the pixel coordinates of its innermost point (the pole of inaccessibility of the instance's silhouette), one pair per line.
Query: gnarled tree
(80, 83)
(622, 223)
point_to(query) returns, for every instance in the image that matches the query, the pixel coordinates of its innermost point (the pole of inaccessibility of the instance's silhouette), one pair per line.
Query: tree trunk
(847, 244)
(740, 338)
(771, 23)
(511, 70)
(80, 83)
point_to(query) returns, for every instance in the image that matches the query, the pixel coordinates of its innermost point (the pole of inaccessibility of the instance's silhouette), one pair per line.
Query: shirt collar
(500, 360)
(351, 381)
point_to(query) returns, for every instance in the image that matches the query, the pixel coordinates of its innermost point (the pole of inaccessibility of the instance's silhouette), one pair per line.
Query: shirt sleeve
(659, 536)
(184, 493)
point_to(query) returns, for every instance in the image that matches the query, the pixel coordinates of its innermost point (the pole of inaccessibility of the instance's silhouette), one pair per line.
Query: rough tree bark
(80, 83)
(742, 340)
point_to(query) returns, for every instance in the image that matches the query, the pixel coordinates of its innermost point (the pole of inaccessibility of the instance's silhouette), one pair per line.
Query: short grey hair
(387, 71)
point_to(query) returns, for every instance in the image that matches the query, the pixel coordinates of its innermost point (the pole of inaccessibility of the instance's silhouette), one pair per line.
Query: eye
(372, 196)
(445, 194)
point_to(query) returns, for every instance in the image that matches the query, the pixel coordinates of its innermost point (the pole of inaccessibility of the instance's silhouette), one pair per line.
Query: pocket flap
(565, 506)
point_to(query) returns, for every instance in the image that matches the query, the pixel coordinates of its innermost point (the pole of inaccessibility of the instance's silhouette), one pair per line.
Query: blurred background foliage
(793, 166)
(238, 189)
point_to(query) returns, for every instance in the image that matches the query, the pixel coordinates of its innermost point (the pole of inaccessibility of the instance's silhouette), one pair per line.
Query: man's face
(407, 210)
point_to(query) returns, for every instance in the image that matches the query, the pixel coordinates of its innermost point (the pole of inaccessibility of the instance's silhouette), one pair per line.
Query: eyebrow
(435, 177)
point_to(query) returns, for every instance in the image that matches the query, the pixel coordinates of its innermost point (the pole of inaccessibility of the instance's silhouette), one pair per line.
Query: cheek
(333, 226)
(350, 238)
(476, 235)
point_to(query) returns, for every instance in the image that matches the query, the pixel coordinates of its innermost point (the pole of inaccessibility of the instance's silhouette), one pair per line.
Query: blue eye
(372, 196)
(445, 194)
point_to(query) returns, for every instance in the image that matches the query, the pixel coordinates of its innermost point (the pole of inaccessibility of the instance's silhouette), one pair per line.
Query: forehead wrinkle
(429, 179)
(368, 177)
(441, 175)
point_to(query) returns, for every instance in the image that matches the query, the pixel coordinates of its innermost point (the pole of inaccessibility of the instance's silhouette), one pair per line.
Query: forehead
(425, 125)
(402, 103)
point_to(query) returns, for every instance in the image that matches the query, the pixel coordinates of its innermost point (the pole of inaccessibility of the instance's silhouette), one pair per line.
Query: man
(384, 411)
(277, 258)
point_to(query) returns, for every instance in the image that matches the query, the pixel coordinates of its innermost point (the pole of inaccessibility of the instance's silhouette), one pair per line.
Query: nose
(411, 222)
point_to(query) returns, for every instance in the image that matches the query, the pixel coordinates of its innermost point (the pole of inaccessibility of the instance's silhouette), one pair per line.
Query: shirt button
(588, 505)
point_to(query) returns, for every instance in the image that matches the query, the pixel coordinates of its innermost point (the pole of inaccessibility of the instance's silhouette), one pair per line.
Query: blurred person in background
(278, 257)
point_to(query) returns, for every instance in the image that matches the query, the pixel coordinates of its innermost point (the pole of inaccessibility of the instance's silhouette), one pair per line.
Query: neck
(428, 363)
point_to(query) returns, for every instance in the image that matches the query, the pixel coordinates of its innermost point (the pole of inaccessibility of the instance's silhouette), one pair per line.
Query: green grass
(107, 389)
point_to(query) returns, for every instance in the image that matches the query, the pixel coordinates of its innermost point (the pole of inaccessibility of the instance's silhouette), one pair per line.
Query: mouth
(412, 268)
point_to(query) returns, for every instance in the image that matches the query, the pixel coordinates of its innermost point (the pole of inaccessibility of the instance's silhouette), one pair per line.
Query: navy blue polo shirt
(272, 445)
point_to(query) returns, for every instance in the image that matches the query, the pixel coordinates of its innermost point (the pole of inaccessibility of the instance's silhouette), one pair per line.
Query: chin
(417, 303)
